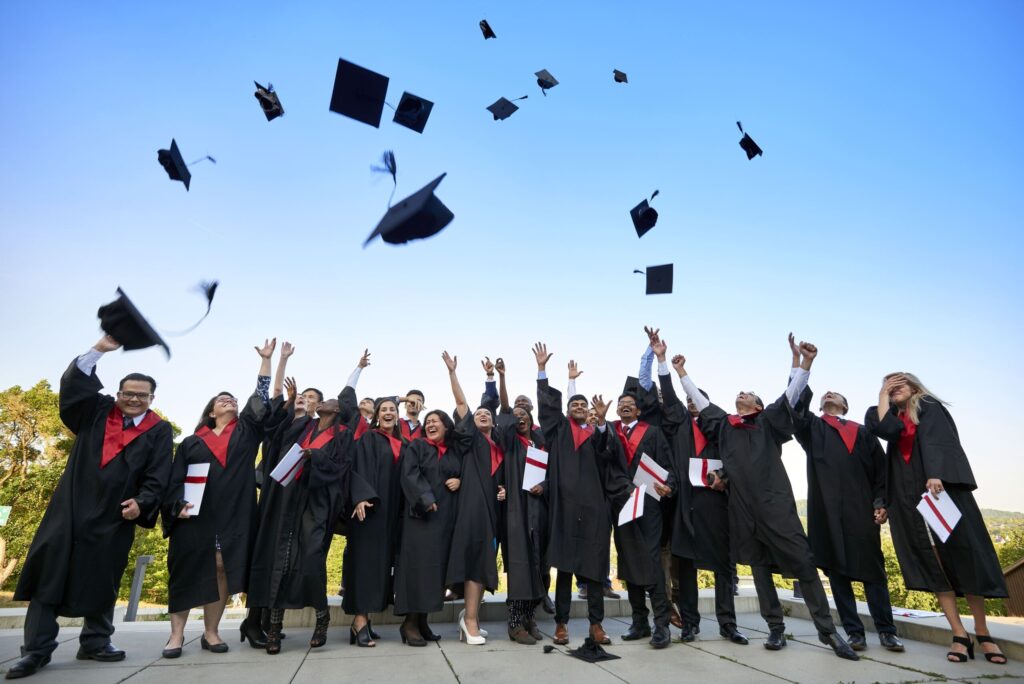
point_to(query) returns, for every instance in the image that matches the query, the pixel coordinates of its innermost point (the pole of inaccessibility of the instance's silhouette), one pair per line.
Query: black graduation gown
(700, 525)
(228, 515)
(583, 486)
(372, 542)
(297, 522)
(764, 527)
(473, 555)
(639, 542)
(969, 564)
(80, 550)
(426, 537)
(843, 490)
(523, 532)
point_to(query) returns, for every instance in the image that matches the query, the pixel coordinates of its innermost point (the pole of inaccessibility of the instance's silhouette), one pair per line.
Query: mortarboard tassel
(209, 289)
(390, 166)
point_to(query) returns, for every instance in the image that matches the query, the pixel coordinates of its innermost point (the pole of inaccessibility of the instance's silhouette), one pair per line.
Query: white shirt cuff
(663, 368)
(87, 361)
(542, 375)
(354, 378)
(694, 394)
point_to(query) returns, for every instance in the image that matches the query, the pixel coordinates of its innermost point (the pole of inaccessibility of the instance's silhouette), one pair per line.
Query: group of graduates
(427, 504)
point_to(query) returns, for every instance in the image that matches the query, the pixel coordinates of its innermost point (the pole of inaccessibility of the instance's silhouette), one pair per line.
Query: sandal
(954, 657)
(991, 657)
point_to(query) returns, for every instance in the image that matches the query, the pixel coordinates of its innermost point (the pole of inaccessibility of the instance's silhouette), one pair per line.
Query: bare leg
(474, 591)
(977, 606)
(212, 612)
(947, 601)
(178, 622)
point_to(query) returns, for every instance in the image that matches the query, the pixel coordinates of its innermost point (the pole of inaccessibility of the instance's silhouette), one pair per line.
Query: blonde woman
(924, 454)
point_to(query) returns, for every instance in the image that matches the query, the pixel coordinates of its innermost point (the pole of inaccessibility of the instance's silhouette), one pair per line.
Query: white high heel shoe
(462, 615)
(464, 633)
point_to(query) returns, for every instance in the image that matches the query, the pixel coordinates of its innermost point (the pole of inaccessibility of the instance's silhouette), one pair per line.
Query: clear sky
(882, 222)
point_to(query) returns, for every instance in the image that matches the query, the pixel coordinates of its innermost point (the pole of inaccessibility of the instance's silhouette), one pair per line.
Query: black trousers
(41, 630)
(638, 594)
(878, 604)
(563, 598)
(814, 597)
(725, 604)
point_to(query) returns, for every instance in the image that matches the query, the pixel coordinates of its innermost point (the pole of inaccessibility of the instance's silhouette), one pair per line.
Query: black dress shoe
(857, 642)
(27, 666)
(890, 642)
(776, 640)
(636, 632)
(839, 645)
(213, 648)
(689, 633)
(548, 605)
(172, 652)
(734, 635)
(609, 594)
(108, 654)
(662, 637)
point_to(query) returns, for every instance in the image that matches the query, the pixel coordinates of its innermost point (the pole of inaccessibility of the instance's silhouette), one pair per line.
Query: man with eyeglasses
(114, 480)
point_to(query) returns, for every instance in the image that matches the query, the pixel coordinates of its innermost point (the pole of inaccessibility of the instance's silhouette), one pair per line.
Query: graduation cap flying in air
(487, 30)
(269, 101)
(122, 320)
(175, 165)
(504, 108)
(748, 144)
(416, 217)
(361, 94)
(644, 216)
(546, 81)
(619, 76)
(659, 279)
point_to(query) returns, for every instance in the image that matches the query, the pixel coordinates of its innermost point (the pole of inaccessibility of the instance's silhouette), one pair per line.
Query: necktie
(628, 431)
(127, 422)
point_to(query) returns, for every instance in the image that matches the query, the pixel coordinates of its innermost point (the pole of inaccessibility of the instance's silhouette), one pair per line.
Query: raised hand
(499, 365)
(652, 334)
(267, 350)
(106, 344)
(795, 348)
(679, 363)
(451, 362)
(659, 347)
(890, 384)
(487, 365)
(599, 406)
(287, 349)
(808, 350)
(540, 350)
(364, 360)
(291, 390)
(574, 370)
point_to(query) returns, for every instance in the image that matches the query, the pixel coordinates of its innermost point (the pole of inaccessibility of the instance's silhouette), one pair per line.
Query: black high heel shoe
(410, 640)
(373, 634)
(362, 637)
(254, 633)
(962, 657)
(213, 648)
(425, 630)
(273, 639)
(991, 657)
(319, 637)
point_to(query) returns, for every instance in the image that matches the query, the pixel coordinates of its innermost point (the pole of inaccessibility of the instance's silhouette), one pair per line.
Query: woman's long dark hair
(449, 426)
(375, 423)
(206, 420)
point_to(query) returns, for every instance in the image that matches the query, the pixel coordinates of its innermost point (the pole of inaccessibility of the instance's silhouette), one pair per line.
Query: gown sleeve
(79, 397)
(155, 477)
(415, 485)
(889, 428)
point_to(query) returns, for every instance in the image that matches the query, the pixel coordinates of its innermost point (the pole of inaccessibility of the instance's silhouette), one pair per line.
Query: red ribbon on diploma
(653, 474)
(938, 515)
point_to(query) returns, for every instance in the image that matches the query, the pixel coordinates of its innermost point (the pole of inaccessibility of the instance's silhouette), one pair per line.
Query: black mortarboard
(644, 216)
(620, 76)
(269, 101)
(122, 321)
(504, 108)
(487, 30)
(174, 165)
(416, 217)
(592, 652)
(545, 80)
(659, 279)
(413, 112)
(359, 93)
(748, 144)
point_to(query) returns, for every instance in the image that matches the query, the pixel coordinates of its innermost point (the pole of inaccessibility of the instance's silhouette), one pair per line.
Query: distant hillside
(987, 513)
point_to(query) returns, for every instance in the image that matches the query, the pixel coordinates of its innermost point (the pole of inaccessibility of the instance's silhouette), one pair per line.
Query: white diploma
(634, 507)
(648, 472)
(195, 485)
(940, 513)
(536, 468)
(288, 467)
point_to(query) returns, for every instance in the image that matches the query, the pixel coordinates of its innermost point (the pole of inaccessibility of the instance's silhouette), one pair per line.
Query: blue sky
(881, 223)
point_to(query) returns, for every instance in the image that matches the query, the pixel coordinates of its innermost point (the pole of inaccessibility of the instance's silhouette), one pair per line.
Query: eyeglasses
(226, 400)
(141, 396)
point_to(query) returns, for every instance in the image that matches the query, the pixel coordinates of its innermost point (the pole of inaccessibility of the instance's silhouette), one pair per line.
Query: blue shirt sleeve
(646, 363)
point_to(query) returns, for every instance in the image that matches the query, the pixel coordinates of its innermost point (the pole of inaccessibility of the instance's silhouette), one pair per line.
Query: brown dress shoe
(676, 620)
(598, 635)
(561, 634)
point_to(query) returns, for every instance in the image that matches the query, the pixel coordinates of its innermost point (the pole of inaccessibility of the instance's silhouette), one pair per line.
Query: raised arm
(286, 351)
(503, 404)
(689, 387)
(461, 406)
(348, 403)
(79, 386)
(800, 375)
(258, 406)
(549, 399)
(647, 359)
(489, 399)
(574, 372)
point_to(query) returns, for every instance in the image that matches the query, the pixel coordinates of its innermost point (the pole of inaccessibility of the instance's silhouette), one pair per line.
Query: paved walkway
(710, 659)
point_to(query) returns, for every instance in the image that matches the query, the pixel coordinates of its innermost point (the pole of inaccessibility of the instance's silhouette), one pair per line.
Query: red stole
(497, 455)
(362, 427)
(738, 422)
(308, 442)
(441, 448)
(631, 444)
(410, 434)
(847, 431)
(699, 440)
(116, 437)
(396, 444)
(218, 444)
(580, 434)
(525, 442)
(906, 443)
